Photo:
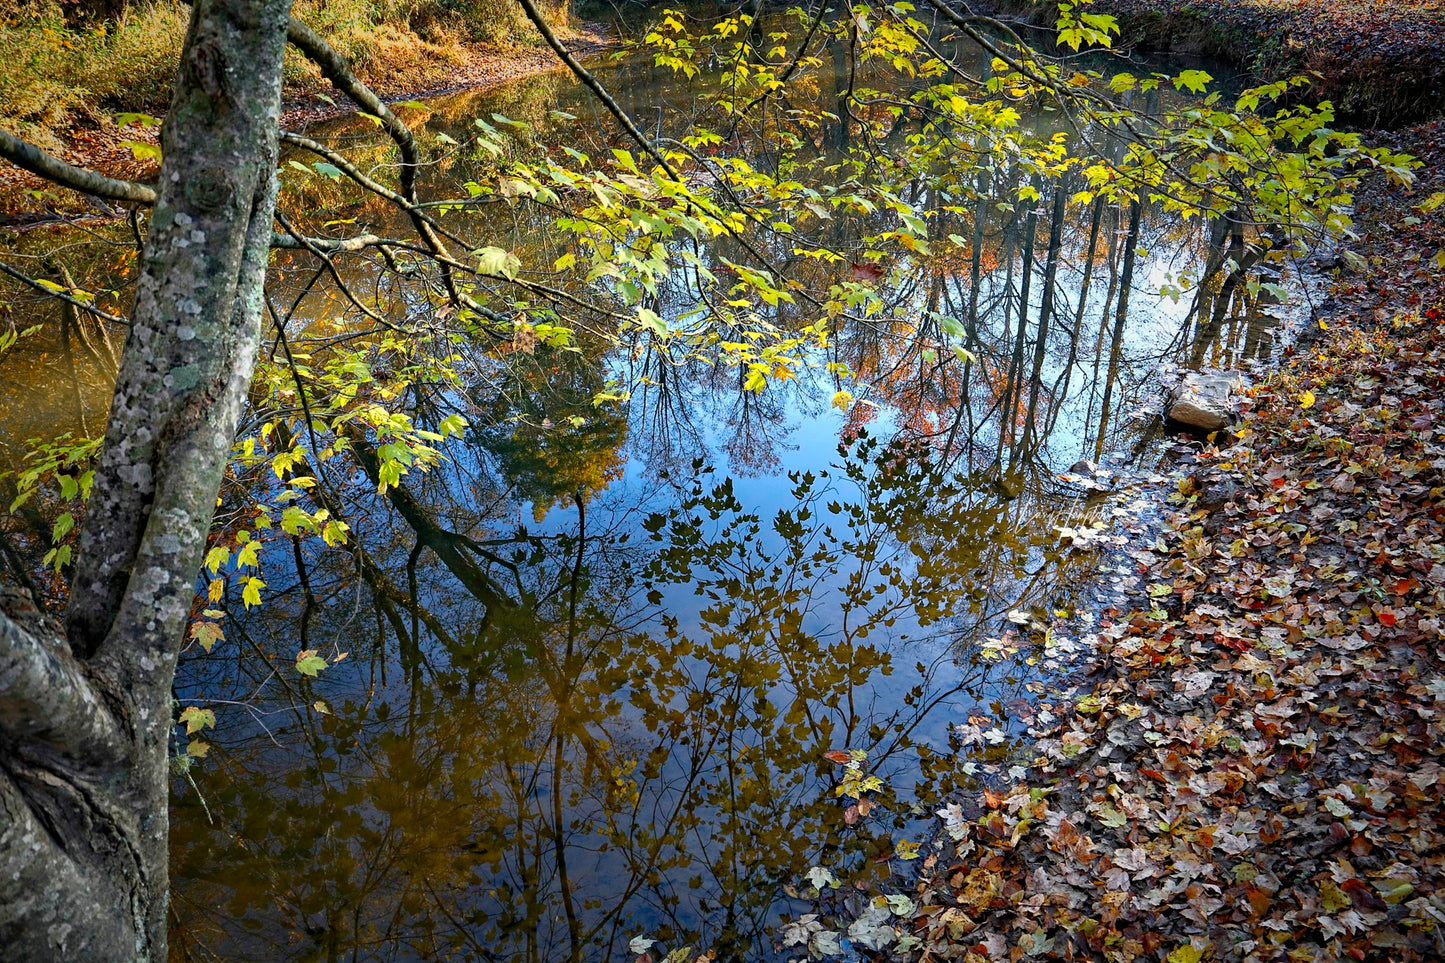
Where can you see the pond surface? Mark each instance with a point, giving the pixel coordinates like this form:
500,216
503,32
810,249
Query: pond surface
686,598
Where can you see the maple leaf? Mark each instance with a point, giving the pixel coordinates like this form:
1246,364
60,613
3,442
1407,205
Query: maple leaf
308,663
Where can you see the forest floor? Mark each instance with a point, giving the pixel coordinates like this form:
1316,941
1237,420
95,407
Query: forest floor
105,147
1256,773
1381,62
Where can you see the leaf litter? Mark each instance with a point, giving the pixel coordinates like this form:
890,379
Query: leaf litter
1256,773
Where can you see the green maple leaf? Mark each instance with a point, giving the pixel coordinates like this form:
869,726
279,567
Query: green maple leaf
195,719
309,663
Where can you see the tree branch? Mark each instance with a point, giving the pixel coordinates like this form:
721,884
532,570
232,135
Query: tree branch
345,245
47,697
75,302
592,84
336,70
53,169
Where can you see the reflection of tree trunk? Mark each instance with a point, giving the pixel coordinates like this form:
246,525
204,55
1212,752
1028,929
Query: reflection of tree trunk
1131,244
450,547
384,590
104,356
73,324
1257,339
69,321
1113,260
1233,263
843,60
1209,283
1013,388
1051,271
574,924
1095,216
980,218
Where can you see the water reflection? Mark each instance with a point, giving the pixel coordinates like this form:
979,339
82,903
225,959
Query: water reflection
632,742
593,661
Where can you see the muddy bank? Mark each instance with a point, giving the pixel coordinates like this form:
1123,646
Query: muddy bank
1381,64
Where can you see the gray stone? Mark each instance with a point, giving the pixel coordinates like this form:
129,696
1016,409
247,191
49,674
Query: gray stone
1204,401
1089,476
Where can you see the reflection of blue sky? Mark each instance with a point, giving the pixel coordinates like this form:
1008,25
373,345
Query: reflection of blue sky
1002,557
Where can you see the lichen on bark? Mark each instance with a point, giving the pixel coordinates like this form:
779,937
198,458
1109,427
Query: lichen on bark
85,713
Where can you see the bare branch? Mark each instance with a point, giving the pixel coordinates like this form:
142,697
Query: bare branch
592,84
336,70
68,299
345,245
36,161
340,162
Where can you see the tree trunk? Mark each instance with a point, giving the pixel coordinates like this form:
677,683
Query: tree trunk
85,714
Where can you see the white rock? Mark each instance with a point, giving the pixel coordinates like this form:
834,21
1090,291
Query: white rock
1204,401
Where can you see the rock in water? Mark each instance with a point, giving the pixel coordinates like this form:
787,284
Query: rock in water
1089,476
1204,401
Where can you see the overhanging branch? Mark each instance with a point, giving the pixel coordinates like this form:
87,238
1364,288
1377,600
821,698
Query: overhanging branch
53,169
68,299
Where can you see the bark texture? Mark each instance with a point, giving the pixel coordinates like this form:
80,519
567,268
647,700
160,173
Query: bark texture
85,711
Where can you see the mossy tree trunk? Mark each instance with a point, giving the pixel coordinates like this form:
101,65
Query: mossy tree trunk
85,709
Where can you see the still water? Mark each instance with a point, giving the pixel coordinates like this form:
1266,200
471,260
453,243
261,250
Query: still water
581,685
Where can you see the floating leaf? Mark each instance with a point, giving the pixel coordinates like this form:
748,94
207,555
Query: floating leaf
308,663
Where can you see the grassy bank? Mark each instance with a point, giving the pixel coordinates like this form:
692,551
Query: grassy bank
67,77
1380,62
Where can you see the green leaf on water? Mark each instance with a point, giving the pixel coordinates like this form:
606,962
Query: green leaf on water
308,663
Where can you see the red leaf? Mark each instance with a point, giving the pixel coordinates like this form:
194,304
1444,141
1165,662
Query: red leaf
867,272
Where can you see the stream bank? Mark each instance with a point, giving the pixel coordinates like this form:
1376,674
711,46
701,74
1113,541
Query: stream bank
104,147
1255,773
1381,64
711,636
